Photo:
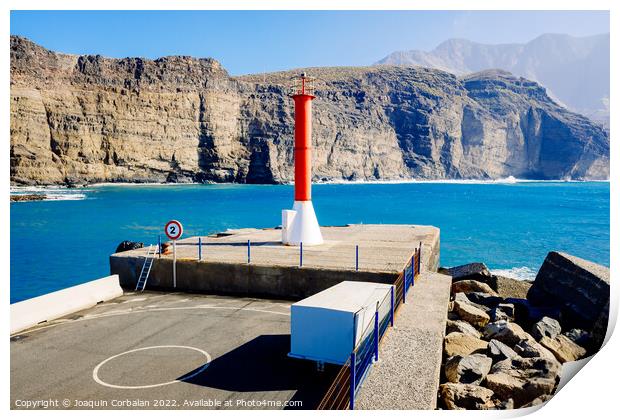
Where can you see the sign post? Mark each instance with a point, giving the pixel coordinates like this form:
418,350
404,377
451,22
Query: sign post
174,264
174,230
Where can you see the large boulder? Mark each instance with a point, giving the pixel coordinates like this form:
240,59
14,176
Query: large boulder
462,298
531,348
503,311
471,286
470,369
465,397
508,333
563,348
485,299
462,344
461,327
471,314
546,327
493,328
523,380
599,330
500,351
128,246
472,271
579,287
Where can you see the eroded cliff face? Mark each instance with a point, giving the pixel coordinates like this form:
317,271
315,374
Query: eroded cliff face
77,119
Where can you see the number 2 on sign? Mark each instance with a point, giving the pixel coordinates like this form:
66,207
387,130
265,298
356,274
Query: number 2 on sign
174,229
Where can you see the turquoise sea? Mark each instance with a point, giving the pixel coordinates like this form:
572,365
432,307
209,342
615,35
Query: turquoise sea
67,239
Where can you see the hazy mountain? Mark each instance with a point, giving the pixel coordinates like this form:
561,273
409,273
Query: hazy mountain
575,70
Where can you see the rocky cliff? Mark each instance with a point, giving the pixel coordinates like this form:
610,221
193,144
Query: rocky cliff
77,119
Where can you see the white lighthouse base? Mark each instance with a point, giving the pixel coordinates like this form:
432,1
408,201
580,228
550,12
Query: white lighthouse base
300,225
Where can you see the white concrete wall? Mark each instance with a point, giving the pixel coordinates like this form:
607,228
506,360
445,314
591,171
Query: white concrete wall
54,305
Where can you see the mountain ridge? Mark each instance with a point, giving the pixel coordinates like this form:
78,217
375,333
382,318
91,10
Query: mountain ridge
86,119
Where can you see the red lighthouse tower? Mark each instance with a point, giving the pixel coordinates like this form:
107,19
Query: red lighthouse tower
300,225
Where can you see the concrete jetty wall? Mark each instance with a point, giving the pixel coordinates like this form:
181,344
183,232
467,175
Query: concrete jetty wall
240,279
31,312
275,270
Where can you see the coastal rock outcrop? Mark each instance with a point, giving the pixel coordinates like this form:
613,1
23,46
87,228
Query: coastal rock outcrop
84,119
470,369
531,348
507,332
128,245
462,327
472,286
471,314
465,397
523,379
500,351
27,197
546,327
563,348
497,354
459,344
472,271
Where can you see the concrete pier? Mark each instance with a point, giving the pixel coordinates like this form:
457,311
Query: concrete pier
407,374
274,269
226,346
167,350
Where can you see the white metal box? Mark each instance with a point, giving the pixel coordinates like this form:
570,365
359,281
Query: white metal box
327,326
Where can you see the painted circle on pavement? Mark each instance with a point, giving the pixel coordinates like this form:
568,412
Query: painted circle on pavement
97,379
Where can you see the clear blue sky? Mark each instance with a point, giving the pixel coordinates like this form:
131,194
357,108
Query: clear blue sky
257,41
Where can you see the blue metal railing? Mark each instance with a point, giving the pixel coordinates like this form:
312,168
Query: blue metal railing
341,394
367,351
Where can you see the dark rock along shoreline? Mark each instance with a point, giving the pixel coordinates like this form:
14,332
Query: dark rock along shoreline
87,119
27,197
506,340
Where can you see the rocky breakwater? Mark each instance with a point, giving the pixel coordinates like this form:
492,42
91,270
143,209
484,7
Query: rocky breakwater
506,340
86,118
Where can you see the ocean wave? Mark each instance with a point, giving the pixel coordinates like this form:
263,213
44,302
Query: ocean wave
519,273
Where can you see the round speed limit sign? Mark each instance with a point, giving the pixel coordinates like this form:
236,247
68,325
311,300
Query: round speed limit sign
174,229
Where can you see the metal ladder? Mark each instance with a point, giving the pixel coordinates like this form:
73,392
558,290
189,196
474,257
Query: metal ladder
146,268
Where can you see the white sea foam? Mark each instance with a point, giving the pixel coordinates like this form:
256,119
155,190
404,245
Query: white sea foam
519,273
140,184
52,193
508,180
37,188
75,196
